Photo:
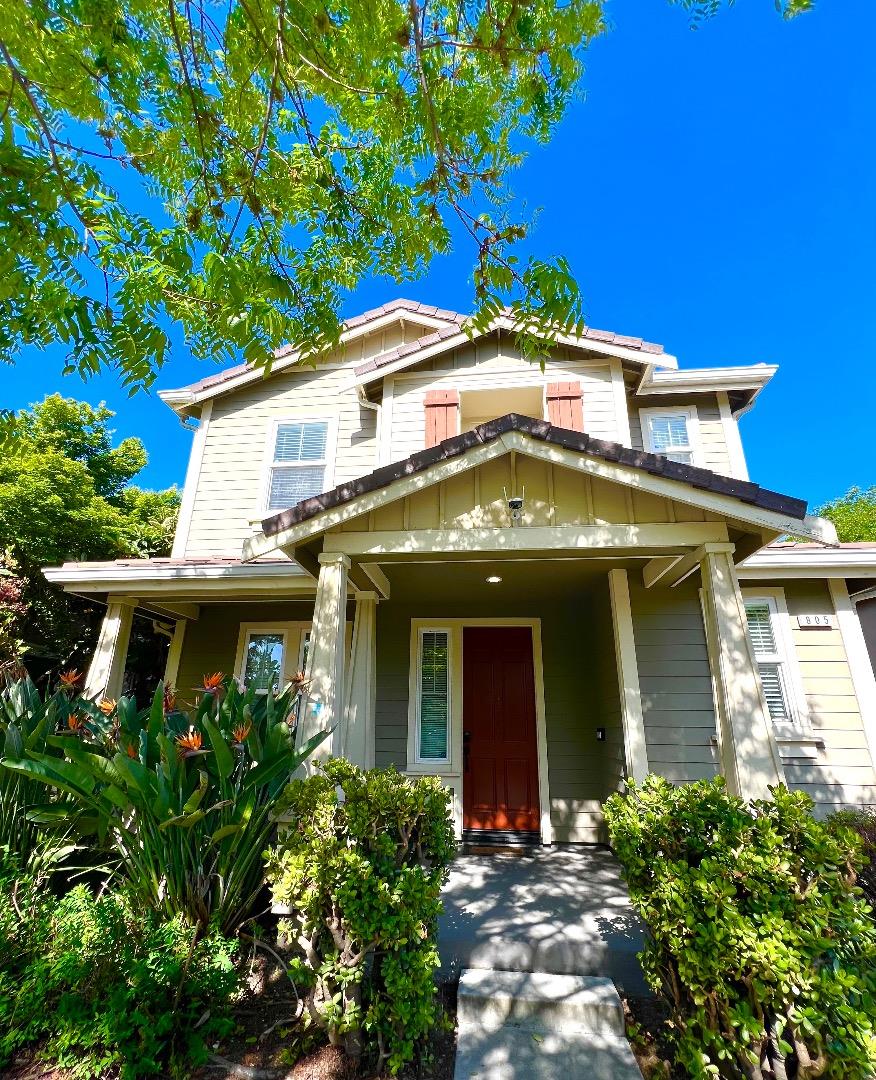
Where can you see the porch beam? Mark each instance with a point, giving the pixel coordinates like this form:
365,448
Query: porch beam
678,570
749,754
176,609
677,536
357,744
655,570
635,747
378,579
107,671
325,660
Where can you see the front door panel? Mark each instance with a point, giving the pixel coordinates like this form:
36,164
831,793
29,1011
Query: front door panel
500,778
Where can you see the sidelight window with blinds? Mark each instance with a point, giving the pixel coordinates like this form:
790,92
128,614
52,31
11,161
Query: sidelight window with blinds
433,693
300,453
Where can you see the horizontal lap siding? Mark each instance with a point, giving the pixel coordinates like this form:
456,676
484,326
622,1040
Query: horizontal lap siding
495,363
675,681
843,775
231,485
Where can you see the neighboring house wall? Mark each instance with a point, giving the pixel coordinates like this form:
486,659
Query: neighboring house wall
843,775
714,452
675,681
867,615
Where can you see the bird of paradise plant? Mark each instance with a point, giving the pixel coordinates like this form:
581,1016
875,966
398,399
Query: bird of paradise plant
185,802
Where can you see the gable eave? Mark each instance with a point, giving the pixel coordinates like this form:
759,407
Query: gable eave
747,505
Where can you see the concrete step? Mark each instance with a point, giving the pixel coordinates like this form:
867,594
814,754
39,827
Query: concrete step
490,999
518,1053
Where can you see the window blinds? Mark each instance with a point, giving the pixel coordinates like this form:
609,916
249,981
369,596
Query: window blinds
763,639
434,694
669,436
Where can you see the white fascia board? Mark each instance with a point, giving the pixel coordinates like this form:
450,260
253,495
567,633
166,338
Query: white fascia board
701,380
289,355
830,562
114,578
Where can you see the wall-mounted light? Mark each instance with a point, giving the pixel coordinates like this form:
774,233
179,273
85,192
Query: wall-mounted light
494,579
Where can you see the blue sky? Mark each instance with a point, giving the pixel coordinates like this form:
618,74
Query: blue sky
716,192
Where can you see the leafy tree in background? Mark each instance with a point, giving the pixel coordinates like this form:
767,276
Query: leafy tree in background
234,167
854,515
66,493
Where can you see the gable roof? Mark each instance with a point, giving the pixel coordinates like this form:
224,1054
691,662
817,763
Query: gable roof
443,327
785,508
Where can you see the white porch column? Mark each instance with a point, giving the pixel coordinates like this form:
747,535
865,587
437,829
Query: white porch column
749,754
325,661
107,671
635,747
174,653
358,741
863,676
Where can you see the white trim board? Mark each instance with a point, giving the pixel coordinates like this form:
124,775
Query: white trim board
190,486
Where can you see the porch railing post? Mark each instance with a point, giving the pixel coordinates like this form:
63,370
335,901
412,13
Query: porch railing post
325,661
358,742
748,749
106,674
174,653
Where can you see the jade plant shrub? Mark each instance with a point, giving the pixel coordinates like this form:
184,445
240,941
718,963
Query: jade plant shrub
758,938
863,822
360,865
97,986
184,803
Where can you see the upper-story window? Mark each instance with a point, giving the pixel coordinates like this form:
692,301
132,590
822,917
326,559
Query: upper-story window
673,433
299,466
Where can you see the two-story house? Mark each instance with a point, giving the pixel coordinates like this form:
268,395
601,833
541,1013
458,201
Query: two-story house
529,580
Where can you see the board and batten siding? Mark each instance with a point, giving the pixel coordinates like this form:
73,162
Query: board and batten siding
494,363
843,774
582,771
231,485
678,704
713,441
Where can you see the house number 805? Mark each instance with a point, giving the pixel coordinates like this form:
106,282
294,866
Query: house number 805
814,622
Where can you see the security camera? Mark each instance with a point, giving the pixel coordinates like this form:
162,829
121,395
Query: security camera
515,503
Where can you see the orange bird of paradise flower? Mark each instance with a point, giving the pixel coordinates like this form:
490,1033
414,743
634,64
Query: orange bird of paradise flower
190,743
131,751
76,723
107,706
70,680
213,682
240,733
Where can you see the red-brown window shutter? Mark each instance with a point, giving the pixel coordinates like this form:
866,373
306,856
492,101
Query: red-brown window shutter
442,415
564,405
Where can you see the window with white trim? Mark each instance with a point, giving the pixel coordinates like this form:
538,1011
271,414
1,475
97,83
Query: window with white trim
761,616
671,434
433,696
299,462
264,659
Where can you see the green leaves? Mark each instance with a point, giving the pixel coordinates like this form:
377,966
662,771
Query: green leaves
361,864
758,940
189,827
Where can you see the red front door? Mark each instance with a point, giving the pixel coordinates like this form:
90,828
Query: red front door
500,766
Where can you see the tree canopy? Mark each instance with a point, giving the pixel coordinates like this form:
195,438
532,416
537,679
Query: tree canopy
66,493
854,515
231,169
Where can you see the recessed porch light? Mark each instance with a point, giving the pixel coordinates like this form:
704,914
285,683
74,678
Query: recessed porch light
493,579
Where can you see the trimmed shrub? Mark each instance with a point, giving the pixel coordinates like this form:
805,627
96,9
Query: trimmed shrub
100,985
759,939
360,866
864,823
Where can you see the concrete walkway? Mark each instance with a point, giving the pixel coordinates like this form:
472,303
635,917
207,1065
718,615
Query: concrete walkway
561,911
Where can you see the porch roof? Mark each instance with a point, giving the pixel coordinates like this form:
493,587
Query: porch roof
653,464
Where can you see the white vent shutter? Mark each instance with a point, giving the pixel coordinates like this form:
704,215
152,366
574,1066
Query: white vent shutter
434,694
773,690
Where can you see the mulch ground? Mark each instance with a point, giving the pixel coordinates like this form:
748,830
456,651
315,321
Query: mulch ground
646,1028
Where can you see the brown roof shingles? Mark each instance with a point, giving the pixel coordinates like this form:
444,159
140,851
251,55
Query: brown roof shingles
578,441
